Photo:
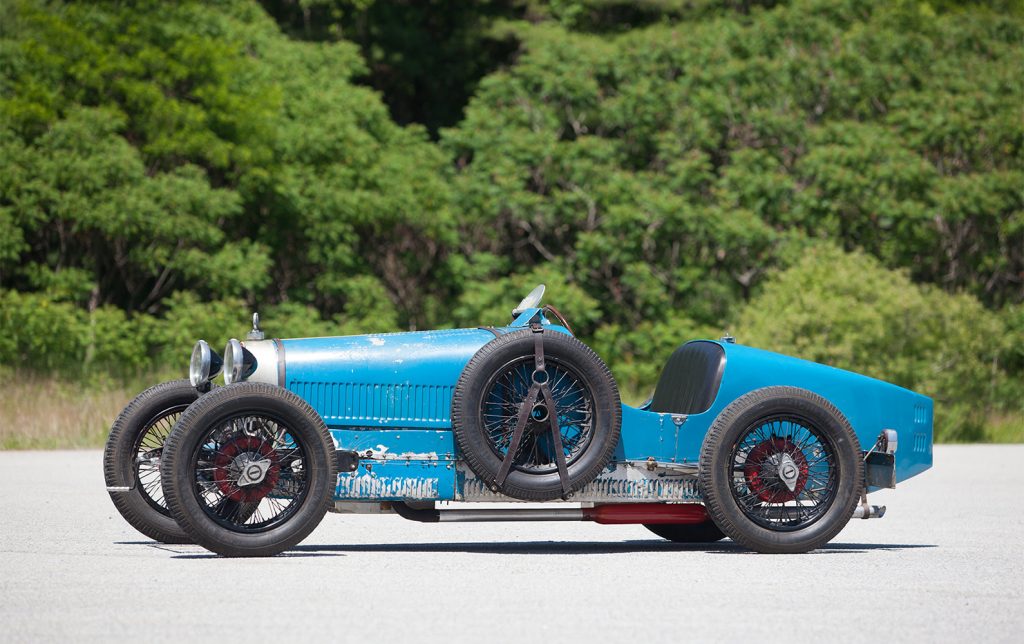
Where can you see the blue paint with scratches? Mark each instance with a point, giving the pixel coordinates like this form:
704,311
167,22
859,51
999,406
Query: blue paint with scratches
391,394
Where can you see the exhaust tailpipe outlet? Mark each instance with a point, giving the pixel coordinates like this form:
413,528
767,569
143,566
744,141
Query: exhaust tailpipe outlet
865,511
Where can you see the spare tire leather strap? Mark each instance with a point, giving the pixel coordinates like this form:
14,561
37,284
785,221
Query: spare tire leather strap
539,389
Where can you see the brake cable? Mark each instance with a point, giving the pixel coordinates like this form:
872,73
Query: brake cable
558,316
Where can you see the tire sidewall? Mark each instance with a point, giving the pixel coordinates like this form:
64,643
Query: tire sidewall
716,468
248,398
472,440
120,452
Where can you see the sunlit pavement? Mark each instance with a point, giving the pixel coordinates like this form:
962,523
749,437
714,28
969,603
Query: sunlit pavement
946,563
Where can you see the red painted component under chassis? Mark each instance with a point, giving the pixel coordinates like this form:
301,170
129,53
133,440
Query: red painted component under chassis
670,513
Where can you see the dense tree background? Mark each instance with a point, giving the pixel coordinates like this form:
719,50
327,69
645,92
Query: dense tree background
836,179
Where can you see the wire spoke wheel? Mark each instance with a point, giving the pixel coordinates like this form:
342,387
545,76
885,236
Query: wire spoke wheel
503,399
781,470
584,402
784,473
148,450
250,472
133,455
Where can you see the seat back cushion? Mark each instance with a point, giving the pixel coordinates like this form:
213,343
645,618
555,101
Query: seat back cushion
690,380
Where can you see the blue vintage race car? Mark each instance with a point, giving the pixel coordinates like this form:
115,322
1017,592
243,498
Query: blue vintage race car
774,452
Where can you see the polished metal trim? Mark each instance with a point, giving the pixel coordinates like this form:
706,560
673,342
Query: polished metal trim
891,440
687,469
540,514
280,362
865,511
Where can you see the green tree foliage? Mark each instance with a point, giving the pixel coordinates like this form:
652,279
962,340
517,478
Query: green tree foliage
696,148
425,56
154,149
667,167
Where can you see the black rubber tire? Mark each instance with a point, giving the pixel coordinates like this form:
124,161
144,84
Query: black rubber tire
706,532
119,467
716,469
302,422
474,444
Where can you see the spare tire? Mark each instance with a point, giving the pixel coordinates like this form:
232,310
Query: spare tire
492,390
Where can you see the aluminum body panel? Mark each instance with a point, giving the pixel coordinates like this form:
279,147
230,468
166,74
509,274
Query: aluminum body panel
398,481
266,354
870,405
385,380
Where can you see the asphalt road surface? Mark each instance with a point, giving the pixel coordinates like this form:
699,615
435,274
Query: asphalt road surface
945,564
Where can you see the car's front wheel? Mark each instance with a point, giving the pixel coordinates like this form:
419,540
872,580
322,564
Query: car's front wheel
781,470
131,459
249,470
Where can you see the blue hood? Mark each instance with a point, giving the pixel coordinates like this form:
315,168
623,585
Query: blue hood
382,380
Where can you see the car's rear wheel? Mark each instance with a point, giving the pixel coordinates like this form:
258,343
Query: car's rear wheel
249,470
781,470
131,459
706,532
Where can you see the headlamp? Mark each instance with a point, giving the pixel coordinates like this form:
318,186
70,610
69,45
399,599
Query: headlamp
204,365
239,362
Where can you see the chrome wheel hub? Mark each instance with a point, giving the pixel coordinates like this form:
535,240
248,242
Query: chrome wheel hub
788,471
251,471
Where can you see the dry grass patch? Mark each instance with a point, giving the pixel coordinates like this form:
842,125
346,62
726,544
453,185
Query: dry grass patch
38,412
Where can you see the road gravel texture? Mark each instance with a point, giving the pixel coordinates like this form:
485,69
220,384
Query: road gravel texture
945,564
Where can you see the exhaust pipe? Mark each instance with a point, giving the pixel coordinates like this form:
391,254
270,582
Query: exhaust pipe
865,511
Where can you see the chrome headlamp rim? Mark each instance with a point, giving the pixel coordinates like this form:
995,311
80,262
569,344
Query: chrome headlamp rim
239,362
234,359
204,365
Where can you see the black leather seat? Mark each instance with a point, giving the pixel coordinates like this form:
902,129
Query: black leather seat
690,380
